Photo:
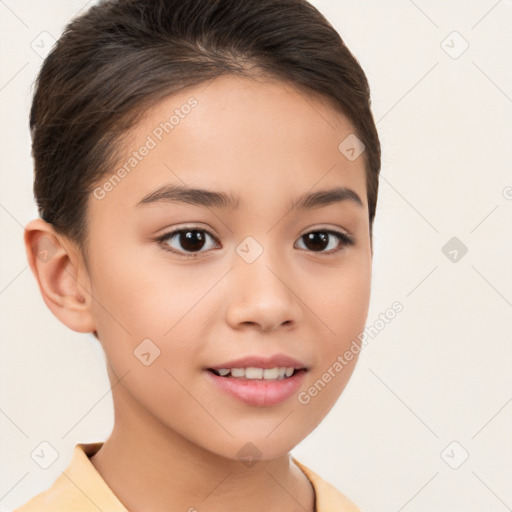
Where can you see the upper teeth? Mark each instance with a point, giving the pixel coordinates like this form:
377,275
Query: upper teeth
258,373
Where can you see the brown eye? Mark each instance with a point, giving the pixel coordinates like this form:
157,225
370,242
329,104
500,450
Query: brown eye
187,241
319,241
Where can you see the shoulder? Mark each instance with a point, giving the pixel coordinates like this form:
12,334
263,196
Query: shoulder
79,488
328,498
59,497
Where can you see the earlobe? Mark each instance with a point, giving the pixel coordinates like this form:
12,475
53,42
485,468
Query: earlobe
60,274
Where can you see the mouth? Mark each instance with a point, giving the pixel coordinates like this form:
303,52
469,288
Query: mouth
263,385
253,373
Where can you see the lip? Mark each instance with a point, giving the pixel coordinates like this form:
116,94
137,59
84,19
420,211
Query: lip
261,393
258,361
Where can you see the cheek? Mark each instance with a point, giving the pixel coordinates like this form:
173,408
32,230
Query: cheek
342,299
151,308
143,298
349,305
343,307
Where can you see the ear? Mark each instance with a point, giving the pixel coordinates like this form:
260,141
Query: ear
61,275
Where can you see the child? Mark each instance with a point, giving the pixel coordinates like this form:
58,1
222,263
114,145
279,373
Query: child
247,124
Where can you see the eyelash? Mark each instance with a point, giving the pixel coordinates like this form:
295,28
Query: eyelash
344,239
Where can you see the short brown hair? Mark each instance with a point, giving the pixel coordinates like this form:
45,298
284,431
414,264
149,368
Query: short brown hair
123,56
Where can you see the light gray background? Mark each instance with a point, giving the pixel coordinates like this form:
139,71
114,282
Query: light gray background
439,372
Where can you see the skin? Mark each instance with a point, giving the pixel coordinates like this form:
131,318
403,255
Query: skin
176,437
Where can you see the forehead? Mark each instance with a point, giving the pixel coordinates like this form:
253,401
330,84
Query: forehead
253,138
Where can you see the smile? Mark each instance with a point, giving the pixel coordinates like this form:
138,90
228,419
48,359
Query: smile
253,388
251,372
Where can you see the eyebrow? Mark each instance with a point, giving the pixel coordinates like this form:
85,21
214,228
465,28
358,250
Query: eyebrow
209,198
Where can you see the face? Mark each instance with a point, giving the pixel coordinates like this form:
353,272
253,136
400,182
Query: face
185,284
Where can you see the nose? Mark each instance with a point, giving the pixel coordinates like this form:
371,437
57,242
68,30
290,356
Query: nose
262,295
